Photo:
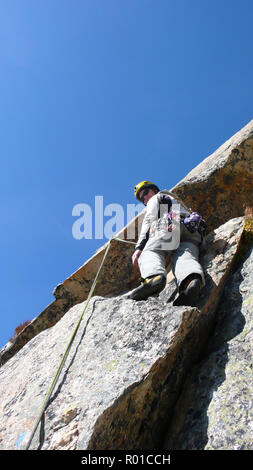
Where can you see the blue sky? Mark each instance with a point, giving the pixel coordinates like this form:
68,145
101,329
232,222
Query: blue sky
95,96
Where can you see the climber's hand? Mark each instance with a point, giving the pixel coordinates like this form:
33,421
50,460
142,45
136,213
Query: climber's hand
135,257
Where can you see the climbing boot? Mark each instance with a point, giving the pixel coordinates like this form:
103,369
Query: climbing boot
189,294
150,286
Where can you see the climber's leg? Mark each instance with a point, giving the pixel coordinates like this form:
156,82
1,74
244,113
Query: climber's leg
152,262
188,273
153,273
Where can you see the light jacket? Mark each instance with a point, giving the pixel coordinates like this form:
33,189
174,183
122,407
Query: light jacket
157,208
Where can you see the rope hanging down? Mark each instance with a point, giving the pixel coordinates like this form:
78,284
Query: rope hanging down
61,364
54,381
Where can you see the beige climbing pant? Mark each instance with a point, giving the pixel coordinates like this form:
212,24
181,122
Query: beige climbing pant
184,260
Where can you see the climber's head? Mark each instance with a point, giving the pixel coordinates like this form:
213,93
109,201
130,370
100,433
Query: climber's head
144,190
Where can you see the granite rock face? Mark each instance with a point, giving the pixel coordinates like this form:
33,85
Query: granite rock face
219,188
221,185
215,408
147,375
125,369
138,419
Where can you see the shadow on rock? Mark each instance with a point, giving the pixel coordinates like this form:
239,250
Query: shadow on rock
190,425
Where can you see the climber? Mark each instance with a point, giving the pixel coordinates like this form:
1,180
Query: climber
155,243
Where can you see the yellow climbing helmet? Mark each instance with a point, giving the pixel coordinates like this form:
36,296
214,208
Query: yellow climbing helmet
144,184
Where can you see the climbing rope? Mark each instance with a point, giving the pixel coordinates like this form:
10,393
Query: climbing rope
64,357
178,199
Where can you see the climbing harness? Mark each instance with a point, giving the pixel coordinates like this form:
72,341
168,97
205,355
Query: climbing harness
194,222
61,364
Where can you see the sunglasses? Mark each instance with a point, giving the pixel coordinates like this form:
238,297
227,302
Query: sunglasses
145,192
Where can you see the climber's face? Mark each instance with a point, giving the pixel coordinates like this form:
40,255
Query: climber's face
145,195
